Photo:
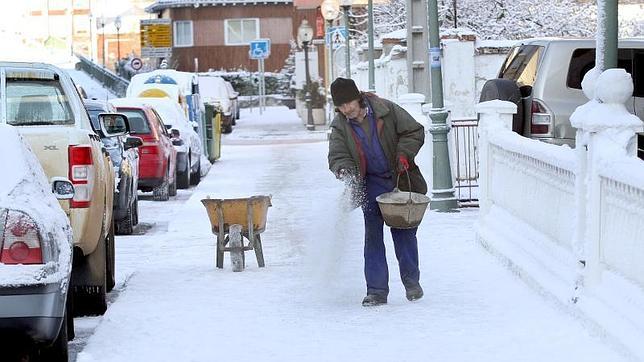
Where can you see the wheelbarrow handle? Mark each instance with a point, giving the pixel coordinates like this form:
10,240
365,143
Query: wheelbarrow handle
408,183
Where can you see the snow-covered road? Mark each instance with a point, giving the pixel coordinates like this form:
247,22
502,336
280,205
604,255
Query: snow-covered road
305,305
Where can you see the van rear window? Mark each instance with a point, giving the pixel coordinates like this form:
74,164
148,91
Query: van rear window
521,64
34,102
583,60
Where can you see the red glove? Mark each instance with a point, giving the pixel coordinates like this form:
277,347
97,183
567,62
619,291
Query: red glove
403,163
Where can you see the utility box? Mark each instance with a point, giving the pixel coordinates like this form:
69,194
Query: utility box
213,132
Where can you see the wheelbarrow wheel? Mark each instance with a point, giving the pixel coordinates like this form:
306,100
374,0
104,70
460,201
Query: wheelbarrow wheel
236,243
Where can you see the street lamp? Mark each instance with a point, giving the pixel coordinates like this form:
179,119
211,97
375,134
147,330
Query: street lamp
305,35
346,5
117,24
101,23
330,11
442,188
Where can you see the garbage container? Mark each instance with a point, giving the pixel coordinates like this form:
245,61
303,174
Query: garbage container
213,132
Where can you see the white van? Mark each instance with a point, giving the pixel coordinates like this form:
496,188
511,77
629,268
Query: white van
543,77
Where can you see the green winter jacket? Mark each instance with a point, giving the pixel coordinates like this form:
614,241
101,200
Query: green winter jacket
398,132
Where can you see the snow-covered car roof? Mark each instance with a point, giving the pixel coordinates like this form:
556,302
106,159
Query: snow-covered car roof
25,188
169,77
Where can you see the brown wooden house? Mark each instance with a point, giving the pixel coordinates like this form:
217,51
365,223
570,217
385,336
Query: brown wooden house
217,33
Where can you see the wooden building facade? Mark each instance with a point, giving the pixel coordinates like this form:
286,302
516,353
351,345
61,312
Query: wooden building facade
217,33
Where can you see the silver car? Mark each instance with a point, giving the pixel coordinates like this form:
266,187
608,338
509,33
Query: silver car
543,77
35,256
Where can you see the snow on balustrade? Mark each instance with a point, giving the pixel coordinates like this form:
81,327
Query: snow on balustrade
622,211
584,239
535,184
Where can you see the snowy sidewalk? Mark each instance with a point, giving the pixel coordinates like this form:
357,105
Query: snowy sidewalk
305,305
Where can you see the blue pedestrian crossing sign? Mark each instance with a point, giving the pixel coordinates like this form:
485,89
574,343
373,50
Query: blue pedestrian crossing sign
260,49
336,36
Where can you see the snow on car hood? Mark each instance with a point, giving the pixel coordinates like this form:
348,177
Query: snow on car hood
24,187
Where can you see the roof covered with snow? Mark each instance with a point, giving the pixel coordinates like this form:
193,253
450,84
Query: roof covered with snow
164,4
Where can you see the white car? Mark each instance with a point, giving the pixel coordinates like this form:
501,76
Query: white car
174,117
234,95
214,91
36,259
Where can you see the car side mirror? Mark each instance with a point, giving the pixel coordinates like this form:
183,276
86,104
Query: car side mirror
62,188
114,124
132,142
177,142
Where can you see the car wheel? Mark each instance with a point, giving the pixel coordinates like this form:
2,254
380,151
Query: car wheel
91,299
183,177
505,90
173,187
195,178
125,226
58,351
161,192
110,264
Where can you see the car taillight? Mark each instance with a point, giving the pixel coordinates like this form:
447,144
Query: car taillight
20,241
540,118
81,174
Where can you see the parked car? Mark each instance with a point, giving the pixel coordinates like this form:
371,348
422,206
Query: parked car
36,255
183,87
125,157
188,146
543,77
214,91
158,156
233,95
41,102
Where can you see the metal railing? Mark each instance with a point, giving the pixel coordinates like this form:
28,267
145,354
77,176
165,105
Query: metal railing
467,171
109,80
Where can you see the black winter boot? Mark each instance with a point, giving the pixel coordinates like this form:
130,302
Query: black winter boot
374,299
414,293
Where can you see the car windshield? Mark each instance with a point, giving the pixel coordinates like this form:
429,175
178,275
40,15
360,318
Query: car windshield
34,102
213,87
137,120
521,64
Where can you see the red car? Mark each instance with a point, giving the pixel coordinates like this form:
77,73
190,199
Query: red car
158,157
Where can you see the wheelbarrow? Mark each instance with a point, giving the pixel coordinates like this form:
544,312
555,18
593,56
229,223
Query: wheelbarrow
232,220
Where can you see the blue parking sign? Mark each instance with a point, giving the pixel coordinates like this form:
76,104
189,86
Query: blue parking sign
260,49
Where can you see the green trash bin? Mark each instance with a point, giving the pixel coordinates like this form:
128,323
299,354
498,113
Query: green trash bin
213,132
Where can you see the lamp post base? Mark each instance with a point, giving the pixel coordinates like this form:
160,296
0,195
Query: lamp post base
310,127
442,198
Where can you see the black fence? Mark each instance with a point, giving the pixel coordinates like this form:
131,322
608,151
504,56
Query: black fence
109,80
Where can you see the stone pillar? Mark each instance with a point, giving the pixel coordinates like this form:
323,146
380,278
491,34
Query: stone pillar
417,48
605,131
495,116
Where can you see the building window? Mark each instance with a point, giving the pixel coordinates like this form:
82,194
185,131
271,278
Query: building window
241,31
183,34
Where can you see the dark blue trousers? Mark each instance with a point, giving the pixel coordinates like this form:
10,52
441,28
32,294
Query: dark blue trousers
405,243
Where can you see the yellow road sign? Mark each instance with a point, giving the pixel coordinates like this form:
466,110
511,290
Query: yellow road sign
156,33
